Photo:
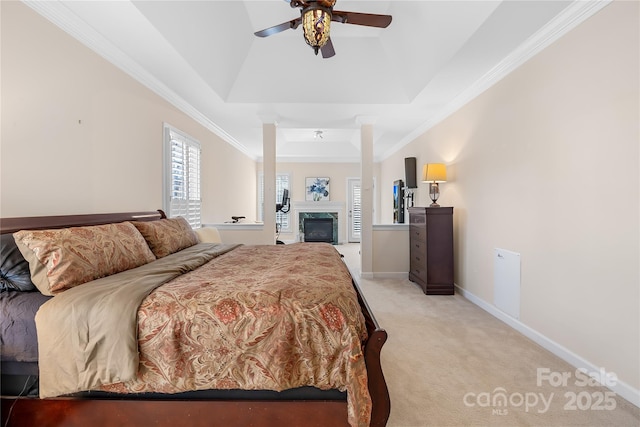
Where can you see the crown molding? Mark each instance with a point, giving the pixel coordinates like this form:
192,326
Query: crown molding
312,159
573,15
61,16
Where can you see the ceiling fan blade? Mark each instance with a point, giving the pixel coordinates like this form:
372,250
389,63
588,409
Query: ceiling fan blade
293,24
327,50
367,19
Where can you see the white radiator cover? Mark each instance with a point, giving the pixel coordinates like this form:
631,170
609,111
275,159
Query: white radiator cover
506,282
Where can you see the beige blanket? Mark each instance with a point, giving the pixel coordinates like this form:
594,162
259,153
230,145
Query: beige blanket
255,318
87,335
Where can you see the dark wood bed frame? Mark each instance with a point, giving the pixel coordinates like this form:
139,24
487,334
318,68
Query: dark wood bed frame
71,412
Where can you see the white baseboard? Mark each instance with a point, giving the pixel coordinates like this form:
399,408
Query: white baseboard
396,275
621,388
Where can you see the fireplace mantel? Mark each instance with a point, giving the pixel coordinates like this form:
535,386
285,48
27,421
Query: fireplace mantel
320,206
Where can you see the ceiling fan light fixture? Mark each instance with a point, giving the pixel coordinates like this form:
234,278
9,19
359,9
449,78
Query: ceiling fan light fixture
316,24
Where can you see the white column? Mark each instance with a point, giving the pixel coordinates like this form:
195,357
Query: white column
366,187
269,170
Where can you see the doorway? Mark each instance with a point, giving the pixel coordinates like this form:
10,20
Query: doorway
354,223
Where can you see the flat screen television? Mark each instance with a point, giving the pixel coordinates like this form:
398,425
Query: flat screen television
398,202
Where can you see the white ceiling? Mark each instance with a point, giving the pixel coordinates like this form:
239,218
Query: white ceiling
203,57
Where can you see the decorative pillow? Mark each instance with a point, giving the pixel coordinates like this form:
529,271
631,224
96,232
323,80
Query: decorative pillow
208,235
166,236
68,257
14,269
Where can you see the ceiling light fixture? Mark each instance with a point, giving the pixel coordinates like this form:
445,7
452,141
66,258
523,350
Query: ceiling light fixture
316,23
316,17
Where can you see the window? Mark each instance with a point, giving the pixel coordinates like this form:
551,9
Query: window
355,210
282,219
182,176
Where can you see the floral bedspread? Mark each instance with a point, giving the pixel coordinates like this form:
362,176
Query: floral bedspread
256,318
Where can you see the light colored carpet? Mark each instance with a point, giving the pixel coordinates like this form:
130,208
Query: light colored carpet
447,363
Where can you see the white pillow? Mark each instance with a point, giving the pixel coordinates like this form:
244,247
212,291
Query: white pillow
208,235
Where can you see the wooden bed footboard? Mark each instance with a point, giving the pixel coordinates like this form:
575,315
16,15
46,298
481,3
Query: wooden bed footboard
381,403
68,411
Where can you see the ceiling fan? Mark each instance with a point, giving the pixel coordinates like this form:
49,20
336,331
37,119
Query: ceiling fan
316,17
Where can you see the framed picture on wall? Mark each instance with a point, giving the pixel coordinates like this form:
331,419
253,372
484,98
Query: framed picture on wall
317,189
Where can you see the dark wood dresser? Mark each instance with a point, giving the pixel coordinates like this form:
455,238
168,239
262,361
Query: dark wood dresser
431,240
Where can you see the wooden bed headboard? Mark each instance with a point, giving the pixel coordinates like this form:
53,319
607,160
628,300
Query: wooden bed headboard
11,225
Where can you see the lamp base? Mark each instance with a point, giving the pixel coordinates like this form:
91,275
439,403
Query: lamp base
434,193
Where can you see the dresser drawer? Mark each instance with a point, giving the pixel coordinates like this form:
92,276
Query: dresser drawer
418,253
418,263
417,233
418,218
417,245
418,271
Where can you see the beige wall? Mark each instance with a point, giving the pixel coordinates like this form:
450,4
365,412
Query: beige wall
391,256
337,172
545,163
80,136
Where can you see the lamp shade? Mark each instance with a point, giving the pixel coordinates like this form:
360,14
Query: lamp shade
434,172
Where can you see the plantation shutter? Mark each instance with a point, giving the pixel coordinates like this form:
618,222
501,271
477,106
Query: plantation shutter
282,218
184,178
356,212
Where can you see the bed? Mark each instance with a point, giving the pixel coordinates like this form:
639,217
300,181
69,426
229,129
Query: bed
166,330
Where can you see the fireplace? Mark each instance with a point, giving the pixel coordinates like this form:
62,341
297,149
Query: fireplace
322,209
318,230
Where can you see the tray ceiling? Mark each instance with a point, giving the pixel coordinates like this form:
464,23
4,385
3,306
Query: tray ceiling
203,57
